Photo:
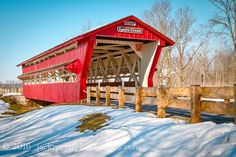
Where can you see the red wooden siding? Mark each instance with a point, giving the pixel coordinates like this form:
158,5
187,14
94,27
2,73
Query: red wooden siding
146,35
69,56
58,92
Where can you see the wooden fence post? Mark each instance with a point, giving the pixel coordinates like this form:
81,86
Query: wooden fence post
108,96
234,103
163,97
195,103
88,95
138,99
121,97
98,95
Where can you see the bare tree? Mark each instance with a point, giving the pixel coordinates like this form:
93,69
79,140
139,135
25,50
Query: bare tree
224,22
221,71
86,26
159,17
189,43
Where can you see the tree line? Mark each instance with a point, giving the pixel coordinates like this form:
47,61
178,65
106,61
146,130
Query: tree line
203,54
11,84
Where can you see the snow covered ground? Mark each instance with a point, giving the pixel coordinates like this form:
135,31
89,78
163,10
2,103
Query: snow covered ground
3,107
51,132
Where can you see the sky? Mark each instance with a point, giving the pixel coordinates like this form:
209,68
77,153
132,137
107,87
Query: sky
29,27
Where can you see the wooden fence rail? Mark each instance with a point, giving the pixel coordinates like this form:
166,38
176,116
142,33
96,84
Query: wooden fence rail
10,90
196,99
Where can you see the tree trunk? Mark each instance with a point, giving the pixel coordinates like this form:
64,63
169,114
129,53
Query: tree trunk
181,77
168,66
234,61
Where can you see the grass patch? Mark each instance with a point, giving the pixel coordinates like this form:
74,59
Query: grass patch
18,108
93,122
9,99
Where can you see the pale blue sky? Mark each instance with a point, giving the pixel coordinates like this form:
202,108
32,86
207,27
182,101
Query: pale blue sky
28,27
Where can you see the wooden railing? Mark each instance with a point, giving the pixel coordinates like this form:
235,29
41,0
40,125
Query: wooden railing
196,99
10,90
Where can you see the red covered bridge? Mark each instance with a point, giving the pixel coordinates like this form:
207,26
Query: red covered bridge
125,51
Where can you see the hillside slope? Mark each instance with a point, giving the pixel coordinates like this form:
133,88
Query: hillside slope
51,131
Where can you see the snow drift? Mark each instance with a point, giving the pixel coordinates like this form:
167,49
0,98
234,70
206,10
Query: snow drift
11,94
3,107
51,132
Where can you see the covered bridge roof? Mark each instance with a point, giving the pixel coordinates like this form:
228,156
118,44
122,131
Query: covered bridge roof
167,41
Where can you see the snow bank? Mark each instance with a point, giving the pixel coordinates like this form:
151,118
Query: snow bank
51,132
3,107
11,94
